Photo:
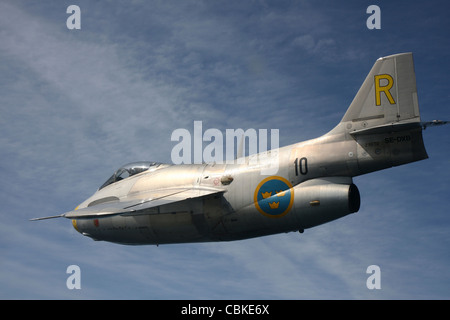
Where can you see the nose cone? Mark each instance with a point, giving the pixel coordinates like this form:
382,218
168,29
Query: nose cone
74,223
87,227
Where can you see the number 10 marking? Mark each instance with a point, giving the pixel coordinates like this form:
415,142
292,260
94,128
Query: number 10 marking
301,165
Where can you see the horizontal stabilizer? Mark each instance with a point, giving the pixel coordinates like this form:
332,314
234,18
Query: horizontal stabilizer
433,123
388,128
398,126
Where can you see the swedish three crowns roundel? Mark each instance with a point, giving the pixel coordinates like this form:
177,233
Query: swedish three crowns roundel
274,196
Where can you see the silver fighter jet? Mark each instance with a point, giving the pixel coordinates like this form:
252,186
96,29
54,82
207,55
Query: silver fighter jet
156,203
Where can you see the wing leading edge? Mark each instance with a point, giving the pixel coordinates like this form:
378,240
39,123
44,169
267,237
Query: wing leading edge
139,205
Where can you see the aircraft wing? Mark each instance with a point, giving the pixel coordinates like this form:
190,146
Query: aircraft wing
137,204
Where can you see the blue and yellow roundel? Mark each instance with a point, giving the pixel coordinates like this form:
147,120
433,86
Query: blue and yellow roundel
274,197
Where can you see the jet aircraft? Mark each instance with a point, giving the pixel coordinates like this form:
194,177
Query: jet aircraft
157,203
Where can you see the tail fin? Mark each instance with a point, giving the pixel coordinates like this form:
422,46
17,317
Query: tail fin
387,96
384,117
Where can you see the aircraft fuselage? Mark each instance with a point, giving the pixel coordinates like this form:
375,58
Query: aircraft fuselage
316,176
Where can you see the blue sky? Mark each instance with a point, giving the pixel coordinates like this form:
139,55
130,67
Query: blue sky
77,104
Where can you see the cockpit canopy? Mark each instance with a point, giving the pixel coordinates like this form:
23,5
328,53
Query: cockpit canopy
129,170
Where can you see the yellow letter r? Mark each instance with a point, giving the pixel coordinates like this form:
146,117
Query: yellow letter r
379,88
